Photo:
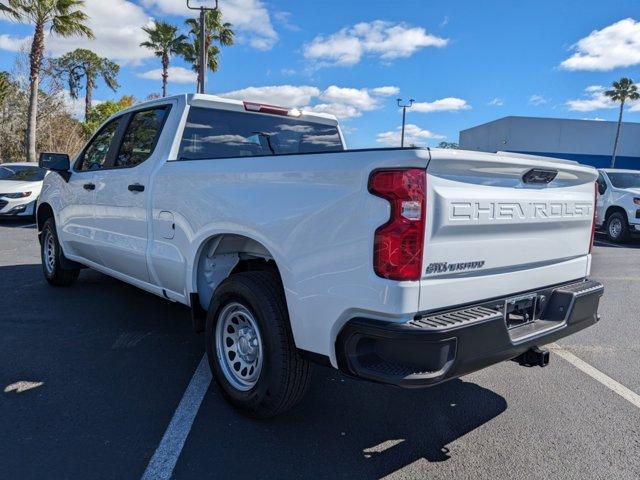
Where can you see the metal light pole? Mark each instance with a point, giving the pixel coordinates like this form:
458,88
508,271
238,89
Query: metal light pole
202,70
404,117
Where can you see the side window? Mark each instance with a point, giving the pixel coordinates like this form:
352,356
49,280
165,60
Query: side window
140,137
602,184
95,154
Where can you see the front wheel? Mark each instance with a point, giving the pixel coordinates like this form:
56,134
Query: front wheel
250,346
50,252
617,228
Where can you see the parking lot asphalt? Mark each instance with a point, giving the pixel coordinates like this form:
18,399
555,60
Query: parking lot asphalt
91,375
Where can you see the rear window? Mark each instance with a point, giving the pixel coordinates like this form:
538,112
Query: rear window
624,180
211,133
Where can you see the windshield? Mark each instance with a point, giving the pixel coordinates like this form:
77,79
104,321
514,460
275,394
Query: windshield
21,173
624,179
213,133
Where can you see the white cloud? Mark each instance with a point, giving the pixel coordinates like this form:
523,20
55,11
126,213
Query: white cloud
413,135
14,44
448,104
285,95
537,100
342,102
176,75
250,18
496,102
617,45
359,98
341,110
385,40
386,91
75,106
284,20
116,24
594,99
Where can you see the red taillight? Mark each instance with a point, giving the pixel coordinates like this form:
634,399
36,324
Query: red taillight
398,244
593,222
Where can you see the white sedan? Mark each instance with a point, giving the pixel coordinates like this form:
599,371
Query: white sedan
20,186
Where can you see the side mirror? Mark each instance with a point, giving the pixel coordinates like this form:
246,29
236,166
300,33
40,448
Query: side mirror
56,162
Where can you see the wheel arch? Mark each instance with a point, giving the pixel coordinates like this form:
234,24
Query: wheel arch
613,209
223,254
43,213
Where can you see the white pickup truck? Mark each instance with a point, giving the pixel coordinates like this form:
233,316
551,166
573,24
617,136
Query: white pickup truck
403,266
618,207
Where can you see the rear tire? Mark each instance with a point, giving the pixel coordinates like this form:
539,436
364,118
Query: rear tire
250,346
617,228
51,253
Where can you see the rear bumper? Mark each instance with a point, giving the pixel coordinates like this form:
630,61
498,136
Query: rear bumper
440,346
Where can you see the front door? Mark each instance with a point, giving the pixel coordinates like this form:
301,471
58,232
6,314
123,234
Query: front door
76,215
122,193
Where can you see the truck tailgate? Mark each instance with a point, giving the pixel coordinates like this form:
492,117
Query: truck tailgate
490,234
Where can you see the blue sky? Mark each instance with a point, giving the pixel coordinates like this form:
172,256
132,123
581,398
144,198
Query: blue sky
464,62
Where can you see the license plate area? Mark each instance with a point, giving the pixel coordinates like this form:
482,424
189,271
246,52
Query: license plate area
520,310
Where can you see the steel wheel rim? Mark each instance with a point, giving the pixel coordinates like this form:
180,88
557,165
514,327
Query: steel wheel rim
615,228
239,346
49,250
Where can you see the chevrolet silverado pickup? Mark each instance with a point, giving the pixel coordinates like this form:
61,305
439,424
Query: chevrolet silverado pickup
618,207
406,266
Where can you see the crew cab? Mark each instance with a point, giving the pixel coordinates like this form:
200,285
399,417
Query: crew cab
406,266
618,208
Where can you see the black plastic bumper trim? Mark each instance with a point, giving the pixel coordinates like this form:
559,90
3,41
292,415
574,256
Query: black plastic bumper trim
428,350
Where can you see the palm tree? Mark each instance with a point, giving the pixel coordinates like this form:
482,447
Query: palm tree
64,18
84,64
215,32
623,90
165,42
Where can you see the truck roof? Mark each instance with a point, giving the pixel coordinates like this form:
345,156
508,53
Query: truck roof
214,101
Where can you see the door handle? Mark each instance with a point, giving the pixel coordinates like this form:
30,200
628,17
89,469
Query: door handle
89,186
136,187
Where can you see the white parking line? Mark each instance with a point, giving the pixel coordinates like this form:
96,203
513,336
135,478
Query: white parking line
164,459
596,374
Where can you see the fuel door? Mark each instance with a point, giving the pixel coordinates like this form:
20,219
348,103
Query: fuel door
166,225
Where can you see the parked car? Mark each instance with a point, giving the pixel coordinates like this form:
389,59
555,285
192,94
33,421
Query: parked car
402,266
20,185
618,206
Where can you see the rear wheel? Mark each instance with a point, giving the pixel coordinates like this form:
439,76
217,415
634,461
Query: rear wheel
51,254
617,228
250,346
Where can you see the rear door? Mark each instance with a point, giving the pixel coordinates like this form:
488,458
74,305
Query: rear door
493,229
76,217
122,192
